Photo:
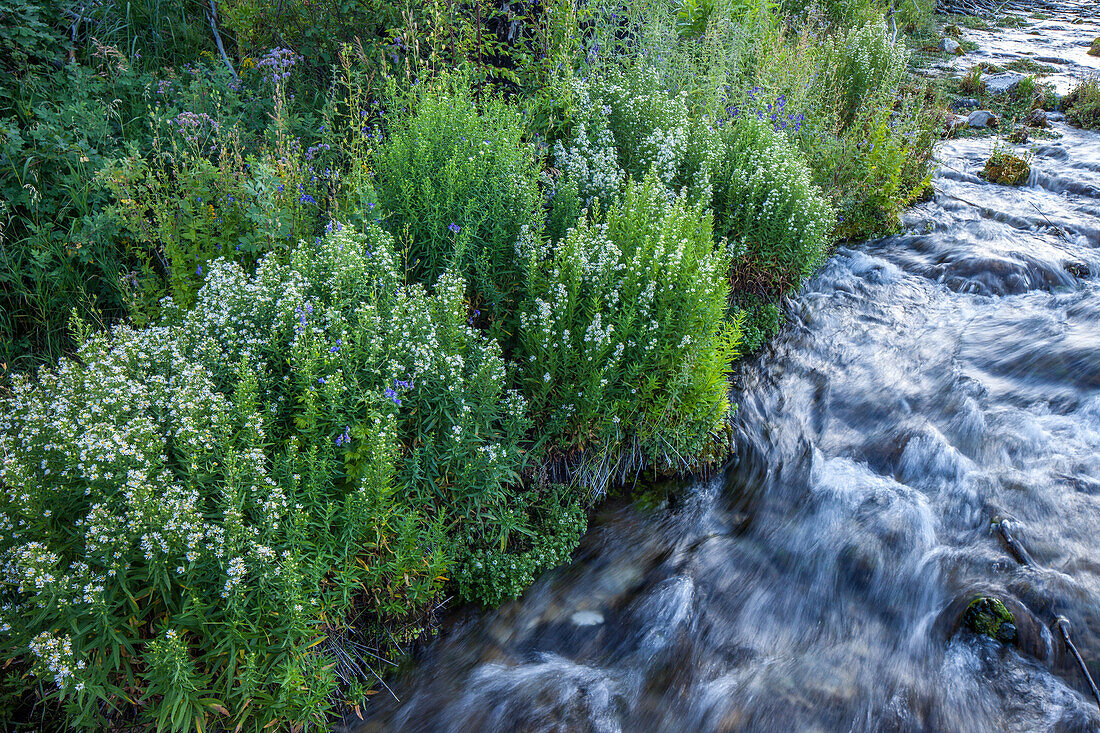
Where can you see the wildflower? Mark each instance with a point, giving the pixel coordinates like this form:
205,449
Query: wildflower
455,228
393,396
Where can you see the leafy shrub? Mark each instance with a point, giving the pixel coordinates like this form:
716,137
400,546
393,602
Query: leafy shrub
188,509
861,67
90,193
458,185
624,345
776,222
27,35
870,140
55,255
199,198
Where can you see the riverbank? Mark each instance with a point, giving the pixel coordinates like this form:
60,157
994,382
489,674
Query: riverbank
369,327
933,388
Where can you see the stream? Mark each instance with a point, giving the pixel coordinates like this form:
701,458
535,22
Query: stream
930,390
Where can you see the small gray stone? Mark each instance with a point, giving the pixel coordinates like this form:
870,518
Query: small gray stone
982,118
964,103
1002,83
951,46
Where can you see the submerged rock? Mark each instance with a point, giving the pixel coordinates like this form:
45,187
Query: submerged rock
982,118
988,615
1007,170
1078,269
587,618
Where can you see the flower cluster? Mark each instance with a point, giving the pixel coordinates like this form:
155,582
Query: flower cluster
277,63
194,126
623,337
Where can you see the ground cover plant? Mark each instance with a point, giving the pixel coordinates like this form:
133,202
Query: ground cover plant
343,313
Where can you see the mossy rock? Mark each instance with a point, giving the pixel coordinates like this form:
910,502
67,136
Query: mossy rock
1095,49
1008,170
987,615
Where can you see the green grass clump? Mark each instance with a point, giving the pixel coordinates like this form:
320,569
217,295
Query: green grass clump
1008,170
1082,104
1030,66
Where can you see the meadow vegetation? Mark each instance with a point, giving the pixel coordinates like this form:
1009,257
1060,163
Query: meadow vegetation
362,310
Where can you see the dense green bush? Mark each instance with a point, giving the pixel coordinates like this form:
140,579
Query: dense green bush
624,343
55,133
868,137
458,184
188,509
776,222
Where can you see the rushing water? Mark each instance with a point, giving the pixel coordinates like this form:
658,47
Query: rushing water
927,383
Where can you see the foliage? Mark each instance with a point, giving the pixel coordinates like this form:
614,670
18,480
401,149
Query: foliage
222,486
54,254
776,223
27,36
1006,169
1082,104
624,345
871,146
458,185
564,222
972,81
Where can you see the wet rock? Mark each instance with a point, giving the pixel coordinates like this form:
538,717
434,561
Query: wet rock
1032,635
1019,135
1094,50
982,118
988,615
950,45
1056,117
1004,83
964,103
1007,170
952,124
1078,269
1037,118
